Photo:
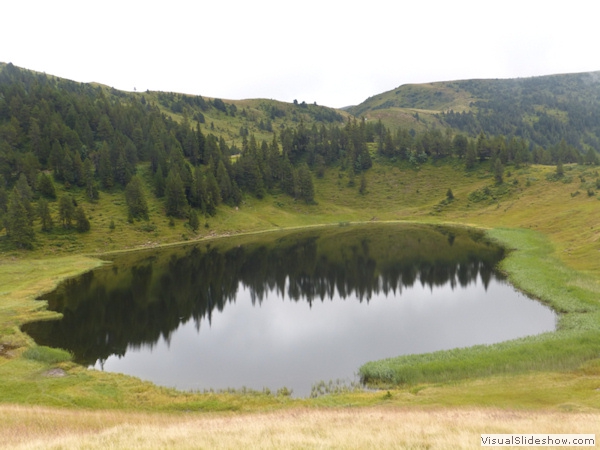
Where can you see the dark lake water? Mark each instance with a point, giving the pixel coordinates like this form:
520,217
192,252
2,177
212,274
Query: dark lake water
288,309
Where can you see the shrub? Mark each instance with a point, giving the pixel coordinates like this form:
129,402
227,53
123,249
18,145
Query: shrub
47,354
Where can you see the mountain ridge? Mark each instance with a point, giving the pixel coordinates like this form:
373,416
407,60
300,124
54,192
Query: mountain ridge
543,109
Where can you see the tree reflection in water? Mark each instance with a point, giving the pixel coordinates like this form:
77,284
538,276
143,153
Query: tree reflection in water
146,295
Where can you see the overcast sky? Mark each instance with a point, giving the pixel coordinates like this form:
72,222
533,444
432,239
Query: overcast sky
335,53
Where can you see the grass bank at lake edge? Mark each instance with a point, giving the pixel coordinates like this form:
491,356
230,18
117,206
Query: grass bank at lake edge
531,267
27,380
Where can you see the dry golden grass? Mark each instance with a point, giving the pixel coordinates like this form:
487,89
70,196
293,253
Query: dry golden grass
364,428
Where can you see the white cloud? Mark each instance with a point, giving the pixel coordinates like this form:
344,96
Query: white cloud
332,52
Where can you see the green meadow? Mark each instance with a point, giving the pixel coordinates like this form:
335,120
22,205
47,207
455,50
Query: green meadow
551,233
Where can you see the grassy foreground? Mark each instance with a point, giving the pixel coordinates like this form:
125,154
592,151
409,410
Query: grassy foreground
364,428
547,384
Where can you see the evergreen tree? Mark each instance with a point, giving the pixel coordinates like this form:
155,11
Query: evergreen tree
198,191
288,181
194,222
159,183
45,186
484,149
57,155
36,143
123,171
224,182
388,147
176,203
67,168
105,170
66,210
471,156
591,157
17,222
91,189
236,194
305,188
3,198
26,195
81,220
363,184
274,159
78,170
29,165
105,129
45,216
560,170
249,175
213,194
459,145
136,199
498,171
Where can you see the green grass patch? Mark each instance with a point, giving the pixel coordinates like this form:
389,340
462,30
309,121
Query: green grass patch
47,355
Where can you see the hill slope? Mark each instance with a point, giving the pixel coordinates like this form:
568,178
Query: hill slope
543,110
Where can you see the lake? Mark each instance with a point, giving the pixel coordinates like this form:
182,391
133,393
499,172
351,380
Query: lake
288,309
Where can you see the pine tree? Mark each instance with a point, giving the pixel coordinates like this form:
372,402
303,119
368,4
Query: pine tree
471,156
224,183
176,202
81,220
198,191
213,194
66,210
459,145
91,189
17,222
67,169
194,222
135,198
305,188
26,195
45,216
78,169
363,184
105,170
45,186
560,170
288,182
57,155
3,199
123,172
591,157
498,171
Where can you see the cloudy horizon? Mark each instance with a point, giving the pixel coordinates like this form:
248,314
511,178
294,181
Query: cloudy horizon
329,52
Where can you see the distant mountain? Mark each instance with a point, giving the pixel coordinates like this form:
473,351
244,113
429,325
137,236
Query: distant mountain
544,110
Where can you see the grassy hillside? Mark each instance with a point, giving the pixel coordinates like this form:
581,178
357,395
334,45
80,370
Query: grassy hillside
544,109
234,118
